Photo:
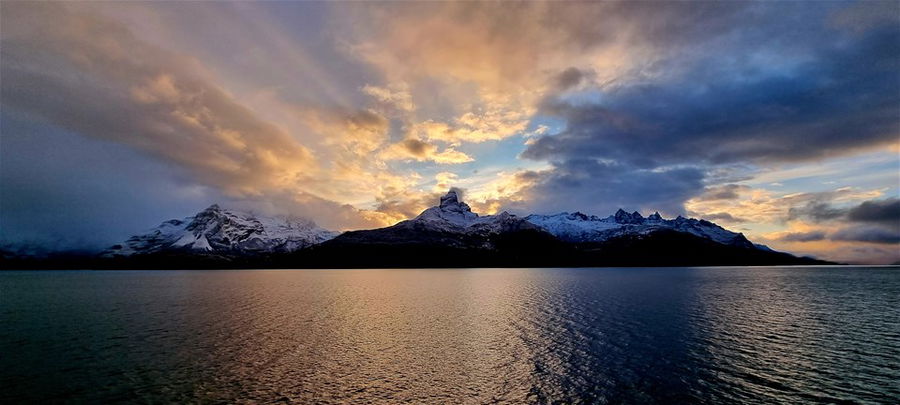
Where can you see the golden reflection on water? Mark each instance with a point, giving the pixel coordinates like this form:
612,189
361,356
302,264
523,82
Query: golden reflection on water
452,336
431,335
348,335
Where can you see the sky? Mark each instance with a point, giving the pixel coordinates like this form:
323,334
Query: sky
780,120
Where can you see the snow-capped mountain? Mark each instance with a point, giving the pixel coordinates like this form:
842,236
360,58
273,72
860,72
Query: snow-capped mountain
451,235
446,235
453,215
217,230
451,222
578,227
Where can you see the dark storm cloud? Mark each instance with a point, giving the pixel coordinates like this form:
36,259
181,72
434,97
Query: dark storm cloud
53,200
415,146
845,98
569,78
723,216
781,84
723,192
601,188
816,211
803,236
876,211
822,209
867,233
878,221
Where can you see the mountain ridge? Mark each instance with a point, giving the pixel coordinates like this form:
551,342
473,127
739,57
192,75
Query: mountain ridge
446,235
450,235
225,231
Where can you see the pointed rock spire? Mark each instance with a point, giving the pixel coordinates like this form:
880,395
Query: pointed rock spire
451,198
450,203
624,217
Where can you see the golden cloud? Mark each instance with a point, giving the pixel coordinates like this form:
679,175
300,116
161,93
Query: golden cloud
418,150
397,97
492,63
444,181
358,131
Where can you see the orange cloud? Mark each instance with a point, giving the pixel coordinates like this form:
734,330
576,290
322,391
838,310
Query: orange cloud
415,149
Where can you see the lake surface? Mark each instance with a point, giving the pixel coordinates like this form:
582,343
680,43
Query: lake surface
664,335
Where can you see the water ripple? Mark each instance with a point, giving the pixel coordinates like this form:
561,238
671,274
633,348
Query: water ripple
463,336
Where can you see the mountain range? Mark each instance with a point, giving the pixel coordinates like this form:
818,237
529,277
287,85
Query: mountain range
446,235
216,230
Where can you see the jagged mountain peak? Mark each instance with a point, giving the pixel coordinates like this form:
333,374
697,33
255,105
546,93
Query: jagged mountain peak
219,230
451,198
580,228
450,210
450,202
623,217
450,223
452,214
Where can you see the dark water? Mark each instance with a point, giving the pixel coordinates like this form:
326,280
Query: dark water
678,335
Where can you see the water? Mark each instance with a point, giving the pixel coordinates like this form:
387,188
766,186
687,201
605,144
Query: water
676,335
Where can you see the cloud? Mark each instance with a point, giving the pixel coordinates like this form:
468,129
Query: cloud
91,75
480,68
444,181
62,191
600,188
762,206
418,150
821,209
505,190
398,98
811,113
864,254
569,78
326,213
803,236
401,206
722,216
816,211
867,233
722,192
510,47
358,131
863,16
887,210
492,125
